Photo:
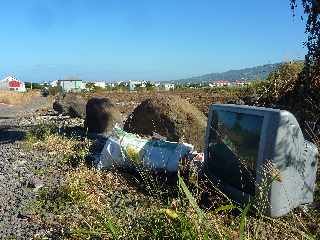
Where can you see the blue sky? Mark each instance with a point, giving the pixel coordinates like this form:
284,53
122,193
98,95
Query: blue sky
43,40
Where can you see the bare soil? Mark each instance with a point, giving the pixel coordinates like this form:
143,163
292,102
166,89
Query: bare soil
128,101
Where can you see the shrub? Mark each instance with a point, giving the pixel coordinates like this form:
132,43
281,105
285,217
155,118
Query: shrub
279,82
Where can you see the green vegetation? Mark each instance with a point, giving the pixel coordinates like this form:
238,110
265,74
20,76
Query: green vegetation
278,82
53,91
46,137
34,85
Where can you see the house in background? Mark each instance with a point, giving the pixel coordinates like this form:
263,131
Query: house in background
220,83
100,84
69,85
54,83
134,84
167,86
240,83
12,84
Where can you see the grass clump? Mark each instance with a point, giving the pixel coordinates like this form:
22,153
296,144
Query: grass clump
103,205
46,137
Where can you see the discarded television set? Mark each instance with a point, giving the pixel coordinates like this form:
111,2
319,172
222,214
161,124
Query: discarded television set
253,151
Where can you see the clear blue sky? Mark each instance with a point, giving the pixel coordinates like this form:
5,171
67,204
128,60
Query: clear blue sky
43,40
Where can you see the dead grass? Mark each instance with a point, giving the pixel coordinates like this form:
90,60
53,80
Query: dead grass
15,98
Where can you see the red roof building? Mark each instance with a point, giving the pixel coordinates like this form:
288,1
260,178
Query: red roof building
12,84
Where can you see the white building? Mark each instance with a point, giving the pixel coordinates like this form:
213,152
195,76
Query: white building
100,84
133,84
70,85
110,84
220,83
241,83
54,83
168,86
157,85
12,84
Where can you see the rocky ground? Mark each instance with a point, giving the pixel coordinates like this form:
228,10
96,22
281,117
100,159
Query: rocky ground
19,170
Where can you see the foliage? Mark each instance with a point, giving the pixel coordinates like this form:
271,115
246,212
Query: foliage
309,84
120,87
278,83
41,132
53,91
90,86
284,79
34,85
46,137
150,86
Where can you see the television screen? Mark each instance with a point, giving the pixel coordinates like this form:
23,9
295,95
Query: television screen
233,148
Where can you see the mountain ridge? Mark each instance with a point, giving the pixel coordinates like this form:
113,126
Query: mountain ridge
247,74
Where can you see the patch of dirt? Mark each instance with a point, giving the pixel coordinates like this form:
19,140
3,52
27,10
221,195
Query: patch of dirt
126,102
170,116
71,104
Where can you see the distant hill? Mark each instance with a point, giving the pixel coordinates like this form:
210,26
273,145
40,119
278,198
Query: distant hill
248,74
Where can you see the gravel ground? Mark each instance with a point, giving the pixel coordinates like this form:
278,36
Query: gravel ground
19,181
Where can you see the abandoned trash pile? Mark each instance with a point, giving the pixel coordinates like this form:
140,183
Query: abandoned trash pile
170,116
129,150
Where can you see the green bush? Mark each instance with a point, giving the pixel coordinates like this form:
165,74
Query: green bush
279,82
41,132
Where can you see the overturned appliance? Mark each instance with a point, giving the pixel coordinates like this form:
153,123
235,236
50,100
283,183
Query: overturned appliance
128,150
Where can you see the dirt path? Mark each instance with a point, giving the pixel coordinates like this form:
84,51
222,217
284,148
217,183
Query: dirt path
18,181
12,111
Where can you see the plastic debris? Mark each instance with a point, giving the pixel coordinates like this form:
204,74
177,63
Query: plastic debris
127,150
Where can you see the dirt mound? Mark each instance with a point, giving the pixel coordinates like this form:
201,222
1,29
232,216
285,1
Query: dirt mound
70,104
101,115
170,116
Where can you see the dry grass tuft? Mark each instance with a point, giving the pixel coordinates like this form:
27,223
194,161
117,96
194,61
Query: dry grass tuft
56,144
15,98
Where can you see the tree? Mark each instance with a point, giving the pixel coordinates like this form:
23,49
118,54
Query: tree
34,85
284,78
150,86
311,8
90,86
304,98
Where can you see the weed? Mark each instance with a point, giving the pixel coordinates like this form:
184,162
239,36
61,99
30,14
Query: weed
40,132
46,137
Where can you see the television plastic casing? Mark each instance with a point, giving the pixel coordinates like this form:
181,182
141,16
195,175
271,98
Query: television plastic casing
283,144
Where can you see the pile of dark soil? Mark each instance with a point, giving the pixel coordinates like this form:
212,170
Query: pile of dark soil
101,115
71,104
169,116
